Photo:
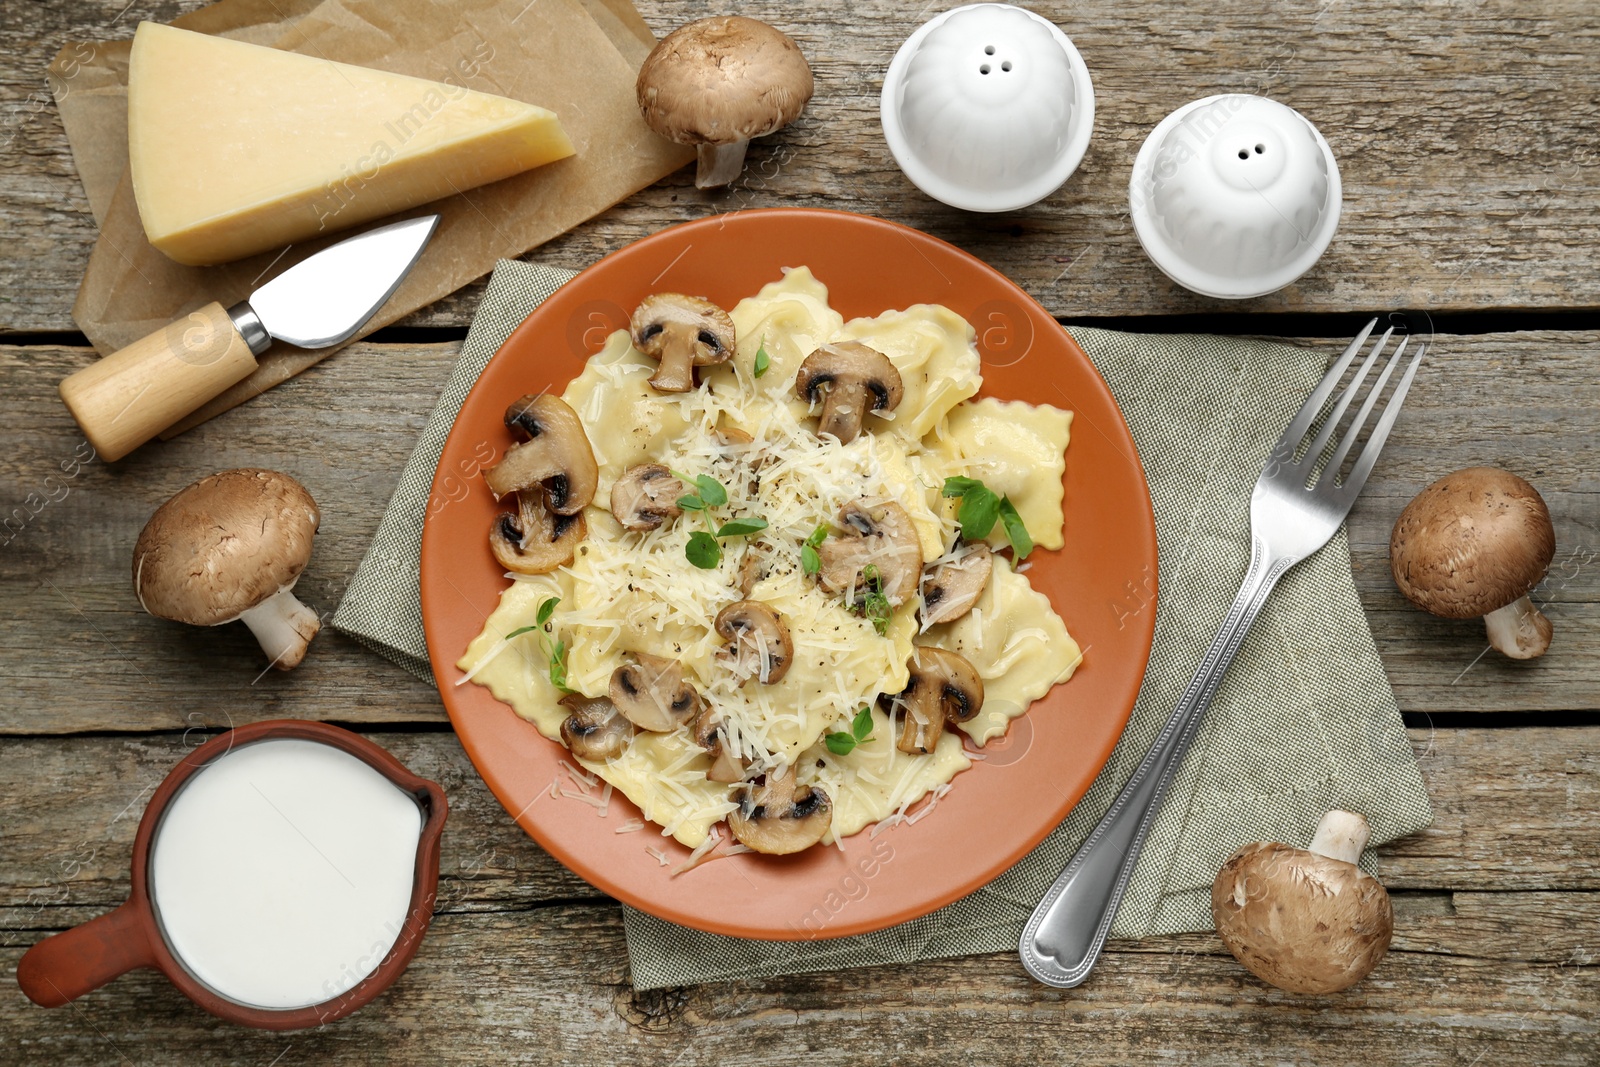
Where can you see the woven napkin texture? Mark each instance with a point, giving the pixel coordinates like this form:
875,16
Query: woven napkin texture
1304,721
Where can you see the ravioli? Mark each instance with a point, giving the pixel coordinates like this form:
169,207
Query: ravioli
634,592
1017,449
1019,645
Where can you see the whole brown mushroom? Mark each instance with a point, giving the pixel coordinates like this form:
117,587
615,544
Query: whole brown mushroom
230,547
1306,920
1475,543
718,82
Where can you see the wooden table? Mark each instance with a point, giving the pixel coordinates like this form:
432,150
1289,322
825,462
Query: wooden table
1469,139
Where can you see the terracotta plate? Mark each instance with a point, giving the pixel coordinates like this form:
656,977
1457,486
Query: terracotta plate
1102,583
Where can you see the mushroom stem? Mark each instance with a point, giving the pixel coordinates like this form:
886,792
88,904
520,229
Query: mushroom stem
284,626
1341,835
720,164
1519,629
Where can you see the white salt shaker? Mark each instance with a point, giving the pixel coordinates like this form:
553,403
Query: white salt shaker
1235,196
988,107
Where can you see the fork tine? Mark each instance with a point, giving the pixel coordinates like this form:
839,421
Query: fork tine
1302,421
1349,439
1380,433
1331,424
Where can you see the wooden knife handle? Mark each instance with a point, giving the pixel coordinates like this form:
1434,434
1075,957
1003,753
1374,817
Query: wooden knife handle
133,394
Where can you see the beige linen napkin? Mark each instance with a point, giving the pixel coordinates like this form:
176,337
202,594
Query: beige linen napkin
1304,721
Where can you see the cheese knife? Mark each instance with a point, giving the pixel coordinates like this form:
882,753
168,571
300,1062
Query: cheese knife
133,394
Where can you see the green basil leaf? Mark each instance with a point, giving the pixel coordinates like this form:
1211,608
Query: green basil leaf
819,535
979,509
810,562
703,550
1021,542
690,502
711,491
763,361
956,486
558,667
519,631
840,744
547,608
875,606
861,725
742,527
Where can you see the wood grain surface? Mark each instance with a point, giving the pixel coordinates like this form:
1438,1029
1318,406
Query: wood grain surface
1468,135
1523,401
526,964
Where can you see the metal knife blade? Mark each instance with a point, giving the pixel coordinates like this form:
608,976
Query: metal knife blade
325,299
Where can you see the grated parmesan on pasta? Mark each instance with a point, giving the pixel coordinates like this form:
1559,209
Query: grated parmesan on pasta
628,591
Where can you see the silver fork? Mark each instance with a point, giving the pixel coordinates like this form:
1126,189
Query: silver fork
1297,505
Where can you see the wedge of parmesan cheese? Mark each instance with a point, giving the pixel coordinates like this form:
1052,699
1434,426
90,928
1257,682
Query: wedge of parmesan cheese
236,149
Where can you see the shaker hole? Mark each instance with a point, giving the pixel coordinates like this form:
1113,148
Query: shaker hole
1260,149
1006,65
984,69
1244,153
988,49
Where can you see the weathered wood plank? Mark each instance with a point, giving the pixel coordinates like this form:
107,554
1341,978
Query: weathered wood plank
1466,141
548,987
346,428
1515,810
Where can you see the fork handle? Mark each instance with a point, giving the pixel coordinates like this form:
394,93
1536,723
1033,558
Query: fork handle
1064,935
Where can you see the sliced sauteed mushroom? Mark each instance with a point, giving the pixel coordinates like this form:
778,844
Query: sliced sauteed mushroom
944,688
950,589
755,566
595,730
708,735
646,496
851,379
758,641
553,453
732,439
652,694
681,333
534,540
882,537
780,816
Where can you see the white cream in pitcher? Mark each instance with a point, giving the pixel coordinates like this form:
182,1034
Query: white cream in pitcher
282,872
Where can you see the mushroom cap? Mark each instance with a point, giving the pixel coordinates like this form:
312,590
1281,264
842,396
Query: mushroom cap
552,453
854,380
707,732
759,645
595,730
223,545
951,589
722,80
778,816
681,332
942,687
533,539
652,694
1471,542
1303,922
646,496
883,537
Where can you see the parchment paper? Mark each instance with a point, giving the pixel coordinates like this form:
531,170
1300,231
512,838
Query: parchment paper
577,57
